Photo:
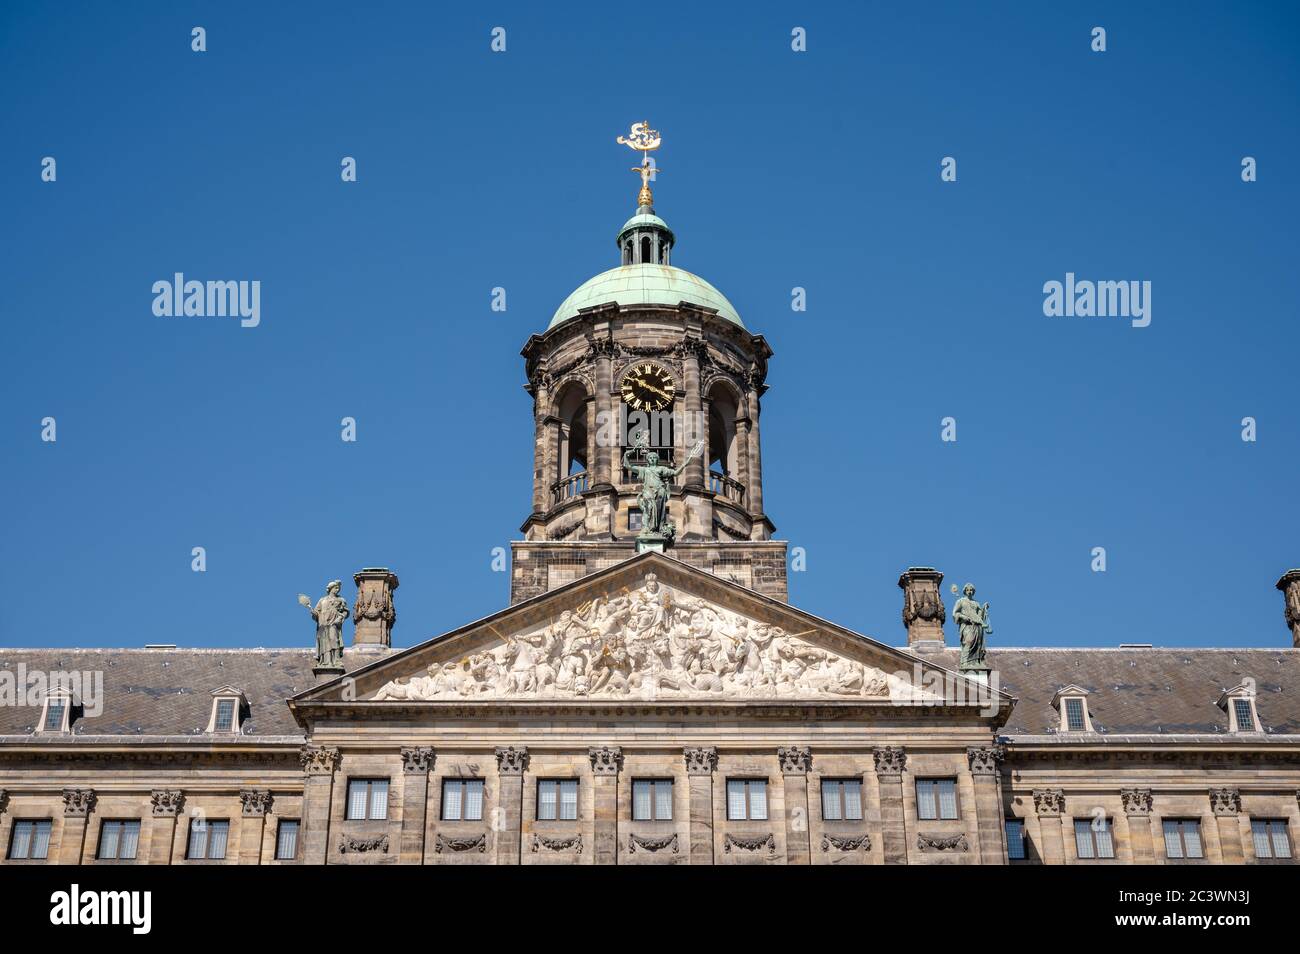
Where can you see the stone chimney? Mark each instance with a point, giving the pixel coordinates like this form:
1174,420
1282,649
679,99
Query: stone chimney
923,610
1290,587
373,614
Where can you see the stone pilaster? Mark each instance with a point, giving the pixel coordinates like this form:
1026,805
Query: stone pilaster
319,763
1289,584
923,611
796,760
891,761
605,763
754,486
78,804
701,763
165,807
254,804
602,471
1137,810
512,762
693,428
1226,805
544,424
986,777
374,615
1049,803
416,763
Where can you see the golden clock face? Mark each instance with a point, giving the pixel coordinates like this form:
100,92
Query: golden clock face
648,387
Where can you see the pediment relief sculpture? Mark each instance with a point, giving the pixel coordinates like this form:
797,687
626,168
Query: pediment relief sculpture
651,642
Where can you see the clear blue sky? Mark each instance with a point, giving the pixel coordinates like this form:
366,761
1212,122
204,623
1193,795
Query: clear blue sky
478,170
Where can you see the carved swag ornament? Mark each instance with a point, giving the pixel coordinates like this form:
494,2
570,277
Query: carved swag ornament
471,843
942,842
571,843
849,843
637,843
751,845
351,844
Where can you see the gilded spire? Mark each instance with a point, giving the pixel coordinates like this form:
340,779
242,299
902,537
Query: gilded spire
645,140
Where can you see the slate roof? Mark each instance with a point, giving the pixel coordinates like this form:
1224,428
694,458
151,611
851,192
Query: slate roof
1131,691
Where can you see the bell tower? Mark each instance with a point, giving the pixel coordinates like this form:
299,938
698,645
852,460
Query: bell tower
646,365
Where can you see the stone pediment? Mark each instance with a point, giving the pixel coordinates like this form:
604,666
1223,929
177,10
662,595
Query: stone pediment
650,629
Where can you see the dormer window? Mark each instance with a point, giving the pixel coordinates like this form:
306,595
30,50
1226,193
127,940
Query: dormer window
1239,704
56,712
228,708
1072,703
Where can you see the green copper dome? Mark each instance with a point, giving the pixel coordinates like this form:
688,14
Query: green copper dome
630,285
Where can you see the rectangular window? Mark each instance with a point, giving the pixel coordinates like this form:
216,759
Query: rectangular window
652,799
208,839
367,799
557,799
1093,838
118,840
842,799
225,715
936,798
30,839
462,799
1245,715
1183,838
1074,720
286,840
634,520
746,799
54,715
1270,837
1015,839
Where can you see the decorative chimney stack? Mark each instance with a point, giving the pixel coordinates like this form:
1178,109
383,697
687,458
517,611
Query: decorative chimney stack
923,610
373,614
1290,587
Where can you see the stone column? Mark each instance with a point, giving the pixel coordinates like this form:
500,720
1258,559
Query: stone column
165,808
1137,809
374,614
891,760
1050,803
512,762
605,763
255,804
754,489
1226,804
923,611
541,476
319,763
416,763
986,775
1290,587
693,410
796,760
700,765
602,472
78,804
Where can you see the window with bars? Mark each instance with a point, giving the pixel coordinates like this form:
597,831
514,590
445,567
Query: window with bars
1075,720
367,799
118,840
286,839
841,799
208,839
1244,710
1271,838
1183,838
746,799
1093,838
1015,839
936,798
557,799
652,799
225,720
30,840
462,799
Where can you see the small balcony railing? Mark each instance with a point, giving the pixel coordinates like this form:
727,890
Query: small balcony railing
566,489
727,488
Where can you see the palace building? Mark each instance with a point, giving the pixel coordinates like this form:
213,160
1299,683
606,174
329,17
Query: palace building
649,695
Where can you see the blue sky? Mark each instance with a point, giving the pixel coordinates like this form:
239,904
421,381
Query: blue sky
782,169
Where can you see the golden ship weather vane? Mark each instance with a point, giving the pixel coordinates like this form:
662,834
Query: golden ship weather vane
644,140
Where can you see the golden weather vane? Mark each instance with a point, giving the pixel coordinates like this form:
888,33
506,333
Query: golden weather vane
645,140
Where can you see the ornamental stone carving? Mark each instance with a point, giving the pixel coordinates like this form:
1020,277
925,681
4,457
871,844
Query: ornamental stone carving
652,642
985,759
570,843
942,842
473,843
1225,801
4,800
374,616
850,843
349,844
605,760
319,759
923,611
166,802
752,845
637,843
890,759
701,761
417,761
255,802
795,759
78,802
1137,801
1049,801
512,760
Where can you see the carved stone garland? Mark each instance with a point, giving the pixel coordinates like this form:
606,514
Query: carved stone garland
642,843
